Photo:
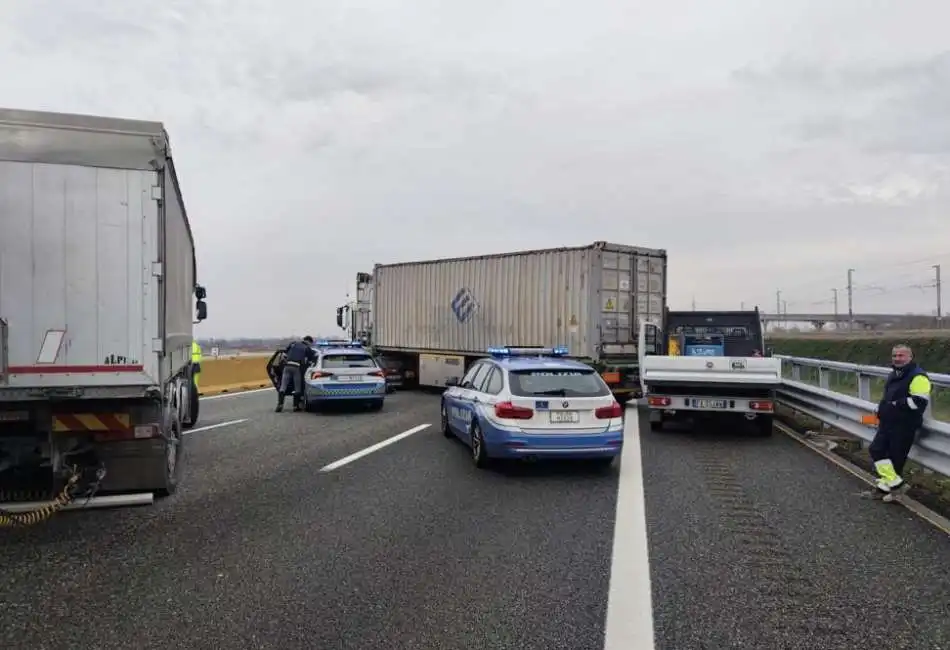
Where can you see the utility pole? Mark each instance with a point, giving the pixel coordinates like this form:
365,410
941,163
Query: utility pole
778,303
939,298
694,303
834,292
850,300
785,311
742,306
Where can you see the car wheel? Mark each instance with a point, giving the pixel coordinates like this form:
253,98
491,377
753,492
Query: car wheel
376,405
479,453
446,429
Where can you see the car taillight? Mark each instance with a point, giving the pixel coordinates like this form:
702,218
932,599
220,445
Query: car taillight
376,373
658,401
509,411
316,374
607,412
761,405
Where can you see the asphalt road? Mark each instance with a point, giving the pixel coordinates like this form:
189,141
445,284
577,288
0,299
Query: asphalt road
752,544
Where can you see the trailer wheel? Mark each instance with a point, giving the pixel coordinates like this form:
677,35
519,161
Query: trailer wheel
193,407
171,459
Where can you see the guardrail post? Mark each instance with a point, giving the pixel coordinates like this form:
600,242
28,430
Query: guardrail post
824,379
864,387
796,372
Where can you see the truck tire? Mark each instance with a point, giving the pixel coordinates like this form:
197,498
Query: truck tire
171,459
194,403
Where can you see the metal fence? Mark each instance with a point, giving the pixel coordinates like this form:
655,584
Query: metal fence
843,394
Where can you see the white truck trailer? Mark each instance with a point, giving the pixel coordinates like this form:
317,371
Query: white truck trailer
436,317
98,297
711,365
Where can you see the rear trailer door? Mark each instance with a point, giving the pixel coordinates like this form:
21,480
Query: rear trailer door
77,288
632,288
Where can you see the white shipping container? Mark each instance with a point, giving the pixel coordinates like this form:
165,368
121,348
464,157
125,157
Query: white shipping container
97,266
579,297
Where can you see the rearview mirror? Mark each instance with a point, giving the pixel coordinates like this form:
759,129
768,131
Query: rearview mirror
200,292
769,350
451,381
339,317
201,308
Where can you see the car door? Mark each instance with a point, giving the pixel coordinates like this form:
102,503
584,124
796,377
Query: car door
454,398
469,397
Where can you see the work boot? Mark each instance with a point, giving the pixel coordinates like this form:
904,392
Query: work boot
280,403
297,407
895,493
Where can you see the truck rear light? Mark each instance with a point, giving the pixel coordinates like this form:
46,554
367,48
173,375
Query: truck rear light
509,411
608,412
659,401
761,405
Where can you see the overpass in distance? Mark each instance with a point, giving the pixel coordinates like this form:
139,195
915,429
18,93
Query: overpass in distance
897,321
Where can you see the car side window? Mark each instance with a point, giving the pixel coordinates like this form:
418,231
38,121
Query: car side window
479,379
494,383
470,375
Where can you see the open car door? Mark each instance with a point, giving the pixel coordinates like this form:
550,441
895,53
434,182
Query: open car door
275,368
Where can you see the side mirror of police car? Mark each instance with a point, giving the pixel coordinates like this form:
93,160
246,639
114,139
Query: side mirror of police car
451,381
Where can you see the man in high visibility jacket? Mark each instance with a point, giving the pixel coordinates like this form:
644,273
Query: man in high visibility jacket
900,415
195,361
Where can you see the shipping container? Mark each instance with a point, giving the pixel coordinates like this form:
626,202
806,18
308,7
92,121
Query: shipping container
589,298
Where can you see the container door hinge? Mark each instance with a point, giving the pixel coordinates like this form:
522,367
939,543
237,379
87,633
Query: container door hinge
158,270
156,192
157,346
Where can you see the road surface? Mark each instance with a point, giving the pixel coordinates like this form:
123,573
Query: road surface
752,544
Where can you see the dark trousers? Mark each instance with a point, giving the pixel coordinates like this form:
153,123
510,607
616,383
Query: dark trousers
894,444
290,378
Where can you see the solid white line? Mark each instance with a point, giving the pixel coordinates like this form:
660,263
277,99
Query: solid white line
629,601
216,426
238,394
379,445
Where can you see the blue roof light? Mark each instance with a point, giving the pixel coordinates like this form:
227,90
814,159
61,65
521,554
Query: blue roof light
557,351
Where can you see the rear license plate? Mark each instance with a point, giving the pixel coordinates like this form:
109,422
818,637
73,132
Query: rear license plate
347,377
711,403
564,417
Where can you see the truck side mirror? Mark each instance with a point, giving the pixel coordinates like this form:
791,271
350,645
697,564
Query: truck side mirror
339,317
201,307
769,350
200,292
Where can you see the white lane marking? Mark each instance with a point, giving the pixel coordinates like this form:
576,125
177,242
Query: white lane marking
216,426
379,445
629,601
238,394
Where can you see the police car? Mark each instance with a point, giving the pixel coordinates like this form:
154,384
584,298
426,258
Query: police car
533,403
343,372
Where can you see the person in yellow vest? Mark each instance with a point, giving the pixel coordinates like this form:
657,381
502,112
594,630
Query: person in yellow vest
195,361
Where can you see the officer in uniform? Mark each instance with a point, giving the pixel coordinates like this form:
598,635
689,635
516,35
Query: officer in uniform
297,357
900,415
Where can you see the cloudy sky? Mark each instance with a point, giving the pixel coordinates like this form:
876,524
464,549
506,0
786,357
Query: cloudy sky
765,149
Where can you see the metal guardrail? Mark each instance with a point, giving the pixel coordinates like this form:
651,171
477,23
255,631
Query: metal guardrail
846,412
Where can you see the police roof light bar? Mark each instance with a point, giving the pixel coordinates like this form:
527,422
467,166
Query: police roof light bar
507,351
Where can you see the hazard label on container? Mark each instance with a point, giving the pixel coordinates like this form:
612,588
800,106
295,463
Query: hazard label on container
610,306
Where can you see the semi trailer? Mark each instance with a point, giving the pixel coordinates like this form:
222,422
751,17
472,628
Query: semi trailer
98,298
433,318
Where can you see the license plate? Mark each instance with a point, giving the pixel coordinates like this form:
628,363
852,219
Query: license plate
347,377
711,403
564,417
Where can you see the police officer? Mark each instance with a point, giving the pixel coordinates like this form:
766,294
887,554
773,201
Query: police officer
900,415
298,356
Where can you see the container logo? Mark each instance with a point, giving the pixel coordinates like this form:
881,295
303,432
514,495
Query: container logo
464,305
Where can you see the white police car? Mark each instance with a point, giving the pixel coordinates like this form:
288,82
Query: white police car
343,372
533,403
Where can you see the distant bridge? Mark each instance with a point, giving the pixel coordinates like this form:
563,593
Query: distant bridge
897,321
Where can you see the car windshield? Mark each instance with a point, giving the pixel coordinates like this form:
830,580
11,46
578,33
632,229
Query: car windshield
331,361
557,383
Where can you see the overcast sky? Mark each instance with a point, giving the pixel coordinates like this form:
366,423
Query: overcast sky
765,149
